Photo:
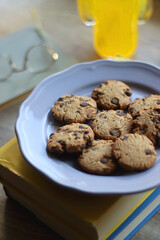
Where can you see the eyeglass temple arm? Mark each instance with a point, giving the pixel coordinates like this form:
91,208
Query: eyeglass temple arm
37,24
41,32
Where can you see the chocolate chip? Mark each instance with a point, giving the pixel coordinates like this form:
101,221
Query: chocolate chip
78,111
83,146
115,101
155,119
81,127
115,133
136,116
142,131
126,110
61,130
128,93
60,99
157,111
75,133
95,94
88,115
103,116
124,138
104,160
84,104
158,102
148,152
86,132
89,141
77,138
62,142
61,105
120,113
132,110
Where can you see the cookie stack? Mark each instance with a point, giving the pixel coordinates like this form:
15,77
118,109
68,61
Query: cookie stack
107,130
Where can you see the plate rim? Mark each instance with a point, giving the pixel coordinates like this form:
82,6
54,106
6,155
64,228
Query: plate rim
92,64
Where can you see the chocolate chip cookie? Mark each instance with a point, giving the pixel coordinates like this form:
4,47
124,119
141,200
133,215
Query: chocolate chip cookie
112,94
74,109
148,123
111,124
134,152
70,138
146,103
97,158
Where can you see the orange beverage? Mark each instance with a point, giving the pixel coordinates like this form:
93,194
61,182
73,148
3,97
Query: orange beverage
115,32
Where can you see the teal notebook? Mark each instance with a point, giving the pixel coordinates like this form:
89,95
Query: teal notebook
15,46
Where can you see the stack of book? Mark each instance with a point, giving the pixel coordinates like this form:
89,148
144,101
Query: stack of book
73,214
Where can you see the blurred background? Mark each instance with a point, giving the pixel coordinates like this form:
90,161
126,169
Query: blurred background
62,23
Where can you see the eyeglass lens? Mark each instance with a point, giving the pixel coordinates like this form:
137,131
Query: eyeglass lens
38,59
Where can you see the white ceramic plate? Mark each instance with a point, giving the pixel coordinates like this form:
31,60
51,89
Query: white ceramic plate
35,123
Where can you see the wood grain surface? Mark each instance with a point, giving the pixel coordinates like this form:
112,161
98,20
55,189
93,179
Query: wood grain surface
61,21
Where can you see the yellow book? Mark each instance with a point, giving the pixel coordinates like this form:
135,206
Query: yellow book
73,214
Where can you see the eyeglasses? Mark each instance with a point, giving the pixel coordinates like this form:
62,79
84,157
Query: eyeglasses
38,58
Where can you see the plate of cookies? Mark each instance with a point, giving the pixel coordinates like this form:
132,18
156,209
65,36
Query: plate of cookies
95,127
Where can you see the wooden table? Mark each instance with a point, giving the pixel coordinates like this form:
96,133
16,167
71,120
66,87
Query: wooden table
61,22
